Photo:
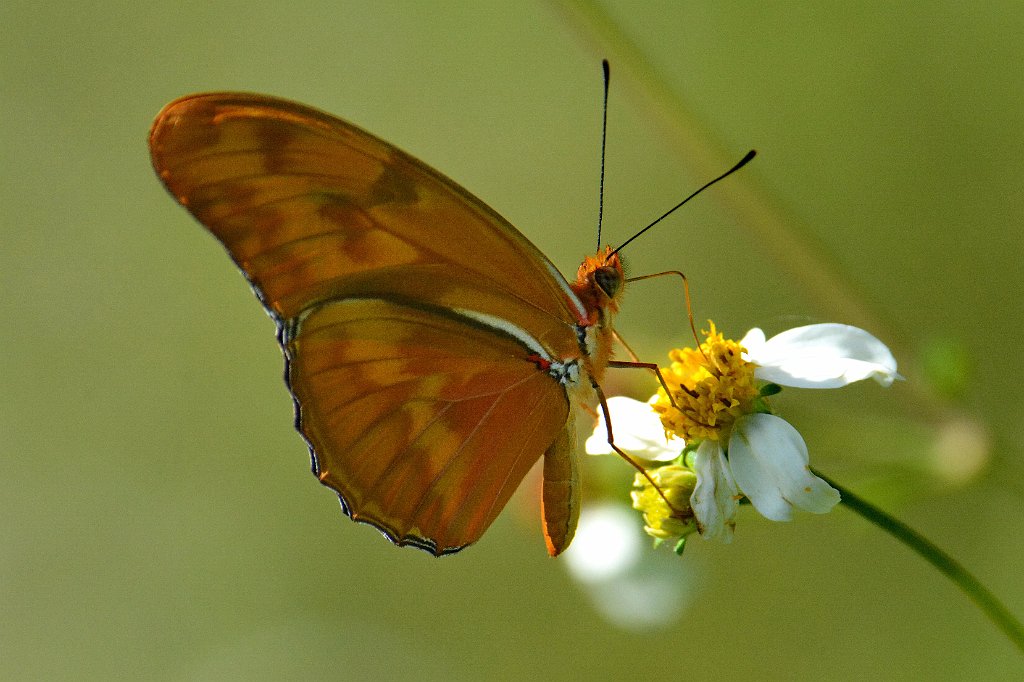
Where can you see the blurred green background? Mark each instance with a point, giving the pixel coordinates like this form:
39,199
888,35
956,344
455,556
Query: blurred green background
157,516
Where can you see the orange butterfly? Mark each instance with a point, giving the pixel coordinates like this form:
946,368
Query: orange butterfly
433,352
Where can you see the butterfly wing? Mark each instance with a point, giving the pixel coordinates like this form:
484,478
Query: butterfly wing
417,324
423,421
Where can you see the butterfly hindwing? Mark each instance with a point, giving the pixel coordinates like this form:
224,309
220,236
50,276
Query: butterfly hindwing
424,422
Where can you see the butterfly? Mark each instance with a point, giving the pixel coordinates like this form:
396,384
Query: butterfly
432,351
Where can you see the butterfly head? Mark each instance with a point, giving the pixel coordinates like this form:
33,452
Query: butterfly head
599,282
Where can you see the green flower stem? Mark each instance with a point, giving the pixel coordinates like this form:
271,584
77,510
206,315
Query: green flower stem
947,565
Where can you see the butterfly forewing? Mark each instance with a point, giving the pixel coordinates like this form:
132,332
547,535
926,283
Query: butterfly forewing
303,200
419,327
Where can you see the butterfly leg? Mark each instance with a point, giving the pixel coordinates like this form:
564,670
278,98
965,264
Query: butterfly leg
686,297
644,365
621,453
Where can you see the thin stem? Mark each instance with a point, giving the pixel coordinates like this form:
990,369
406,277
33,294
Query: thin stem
947,565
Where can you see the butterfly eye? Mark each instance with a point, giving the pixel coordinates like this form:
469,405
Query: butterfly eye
609,279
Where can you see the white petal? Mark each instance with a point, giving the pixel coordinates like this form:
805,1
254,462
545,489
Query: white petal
769,461
753,341
637,430
714,500
822,356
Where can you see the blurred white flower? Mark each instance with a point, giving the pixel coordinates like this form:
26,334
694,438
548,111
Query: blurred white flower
632,589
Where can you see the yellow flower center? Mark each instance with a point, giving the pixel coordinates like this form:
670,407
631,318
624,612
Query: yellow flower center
676,484
711,386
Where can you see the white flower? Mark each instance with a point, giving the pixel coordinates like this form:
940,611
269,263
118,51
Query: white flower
765,458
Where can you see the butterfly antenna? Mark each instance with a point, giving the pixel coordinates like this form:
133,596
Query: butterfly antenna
604,138
743,162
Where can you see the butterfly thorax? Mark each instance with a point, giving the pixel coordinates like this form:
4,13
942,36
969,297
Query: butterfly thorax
599,287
